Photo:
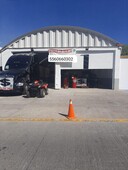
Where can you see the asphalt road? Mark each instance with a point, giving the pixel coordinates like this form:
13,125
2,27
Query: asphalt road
34,134
63,146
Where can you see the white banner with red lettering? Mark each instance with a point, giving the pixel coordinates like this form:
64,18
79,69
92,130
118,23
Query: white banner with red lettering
62,55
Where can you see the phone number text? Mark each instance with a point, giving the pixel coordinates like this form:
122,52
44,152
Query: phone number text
60,59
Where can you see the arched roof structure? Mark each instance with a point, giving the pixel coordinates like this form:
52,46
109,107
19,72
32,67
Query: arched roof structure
61,36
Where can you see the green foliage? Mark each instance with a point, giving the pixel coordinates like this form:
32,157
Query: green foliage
124,50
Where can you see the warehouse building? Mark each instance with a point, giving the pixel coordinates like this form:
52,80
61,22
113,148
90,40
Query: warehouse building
71,51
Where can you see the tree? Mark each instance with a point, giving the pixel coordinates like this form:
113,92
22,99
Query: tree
124,50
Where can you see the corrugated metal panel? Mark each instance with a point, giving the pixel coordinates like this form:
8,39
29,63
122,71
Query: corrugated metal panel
62,38
58,39
71,39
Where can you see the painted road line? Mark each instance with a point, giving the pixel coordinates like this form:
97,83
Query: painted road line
20,119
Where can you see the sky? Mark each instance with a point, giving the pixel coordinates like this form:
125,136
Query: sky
18,17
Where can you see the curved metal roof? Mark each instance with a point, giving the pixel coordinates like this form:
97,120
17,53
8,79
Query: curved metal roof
96,36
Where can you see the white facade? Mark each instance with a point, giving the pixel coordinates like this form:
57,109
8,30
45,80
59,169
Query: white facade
98,59
103,52
123,85
102,60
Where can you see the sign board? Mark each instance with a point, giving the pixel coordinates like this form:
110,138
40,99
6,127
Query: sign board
62,55
6,83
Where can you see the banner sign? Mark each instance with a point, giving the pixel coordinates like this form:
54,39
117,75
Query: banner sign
62,55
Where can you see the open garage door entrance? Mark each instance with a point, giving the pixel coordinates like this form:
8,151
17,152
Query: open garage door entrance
95,78
46,69
100,78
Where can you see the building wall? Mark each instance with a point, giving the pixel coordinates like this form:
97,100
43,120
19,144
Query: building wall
123,84
116,68
5,55
75,65
101,60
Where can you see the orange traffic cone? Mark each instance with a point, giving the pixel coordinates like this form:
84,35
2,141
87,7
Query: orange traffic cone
71,114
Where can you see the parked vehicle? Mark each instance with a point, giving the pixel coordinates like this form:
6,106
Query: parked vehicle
37,89
81,82
21,71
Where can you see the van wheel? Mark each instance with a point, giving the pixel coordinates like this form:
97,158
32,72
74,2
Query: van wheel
41,93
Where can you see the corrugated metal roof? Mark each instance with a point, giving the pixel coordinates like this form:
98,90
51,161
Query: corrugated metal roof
61,36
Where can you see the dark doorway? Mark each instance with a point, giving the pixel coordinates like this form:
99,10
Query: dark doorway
46,69
96,78
69,74
100,78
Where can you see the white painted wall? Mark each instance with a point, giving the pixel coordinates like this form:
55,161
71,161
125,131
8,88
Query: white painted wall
123,81
101,61
5,56
116,68
57,76
75,65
